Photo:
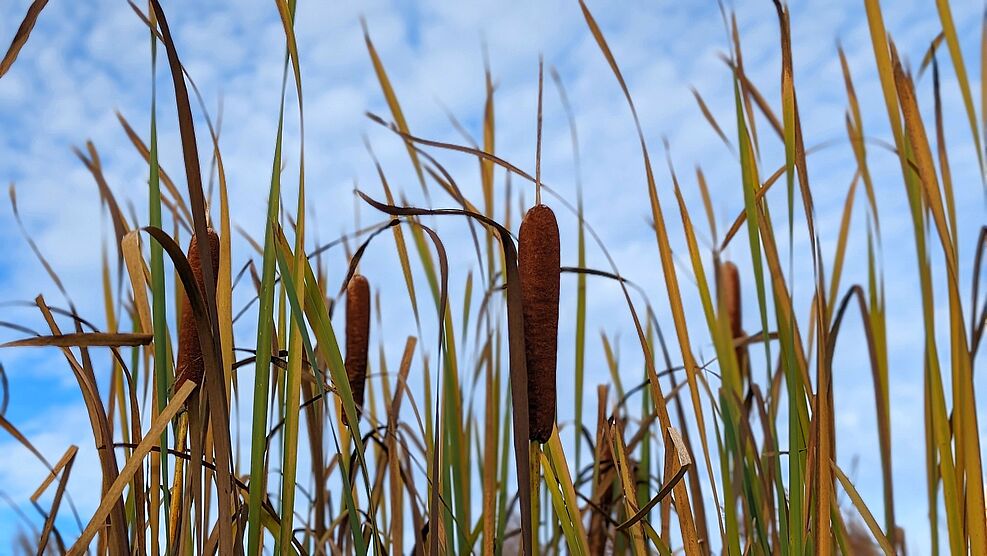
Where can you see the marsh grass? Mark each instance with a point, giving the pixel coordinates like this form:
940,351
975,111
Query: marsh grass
452,471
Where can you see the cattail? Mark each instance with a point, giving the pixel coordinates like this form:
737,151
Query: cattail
730,290
190,362
357,336
538,265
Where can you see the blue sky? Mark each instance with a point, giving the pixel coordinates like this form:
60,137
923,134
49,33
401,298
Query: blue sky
87,59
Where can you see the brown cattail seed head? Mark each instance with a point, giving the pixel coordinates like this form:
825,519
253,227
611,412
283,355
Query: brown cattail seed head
357,336
190,362
539,267
730,290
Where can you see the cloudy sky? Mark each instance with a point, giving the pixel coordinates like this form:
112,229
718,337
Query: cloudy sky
87,60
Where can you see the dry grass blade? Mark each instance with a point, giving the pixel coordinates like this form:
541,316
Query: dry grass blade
977,325
12,191
91,160
393,460
682,464
841,245
862,508
855,130
19,437
762,103
923,160
965,427
53,473
393,104
881,404
139,278
84,339
483,155
930,54
65,466
711,119
178,202
624,474
22,34
399,243
953,44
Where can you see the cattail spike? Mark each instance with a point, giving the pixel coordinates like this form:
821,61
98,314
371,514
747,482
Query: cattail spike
190,363
730,290
539,268
357,336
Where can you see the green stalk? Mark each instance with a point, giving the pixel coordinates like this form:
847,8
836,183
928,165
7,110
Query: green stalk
262,372
162,366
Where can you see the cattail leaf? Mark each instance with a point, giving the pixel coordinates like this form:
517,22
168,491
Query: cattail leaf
90,339
392,102
64,466
177,200
858,503
956,54
855,131
711,119
139,276
683,463
627,482
399,242
555,457
21,35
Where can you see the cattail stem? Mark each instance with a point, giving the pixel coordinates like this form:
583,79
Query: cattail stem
357,337
541,75
176,488
603,493
534,460
539,269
